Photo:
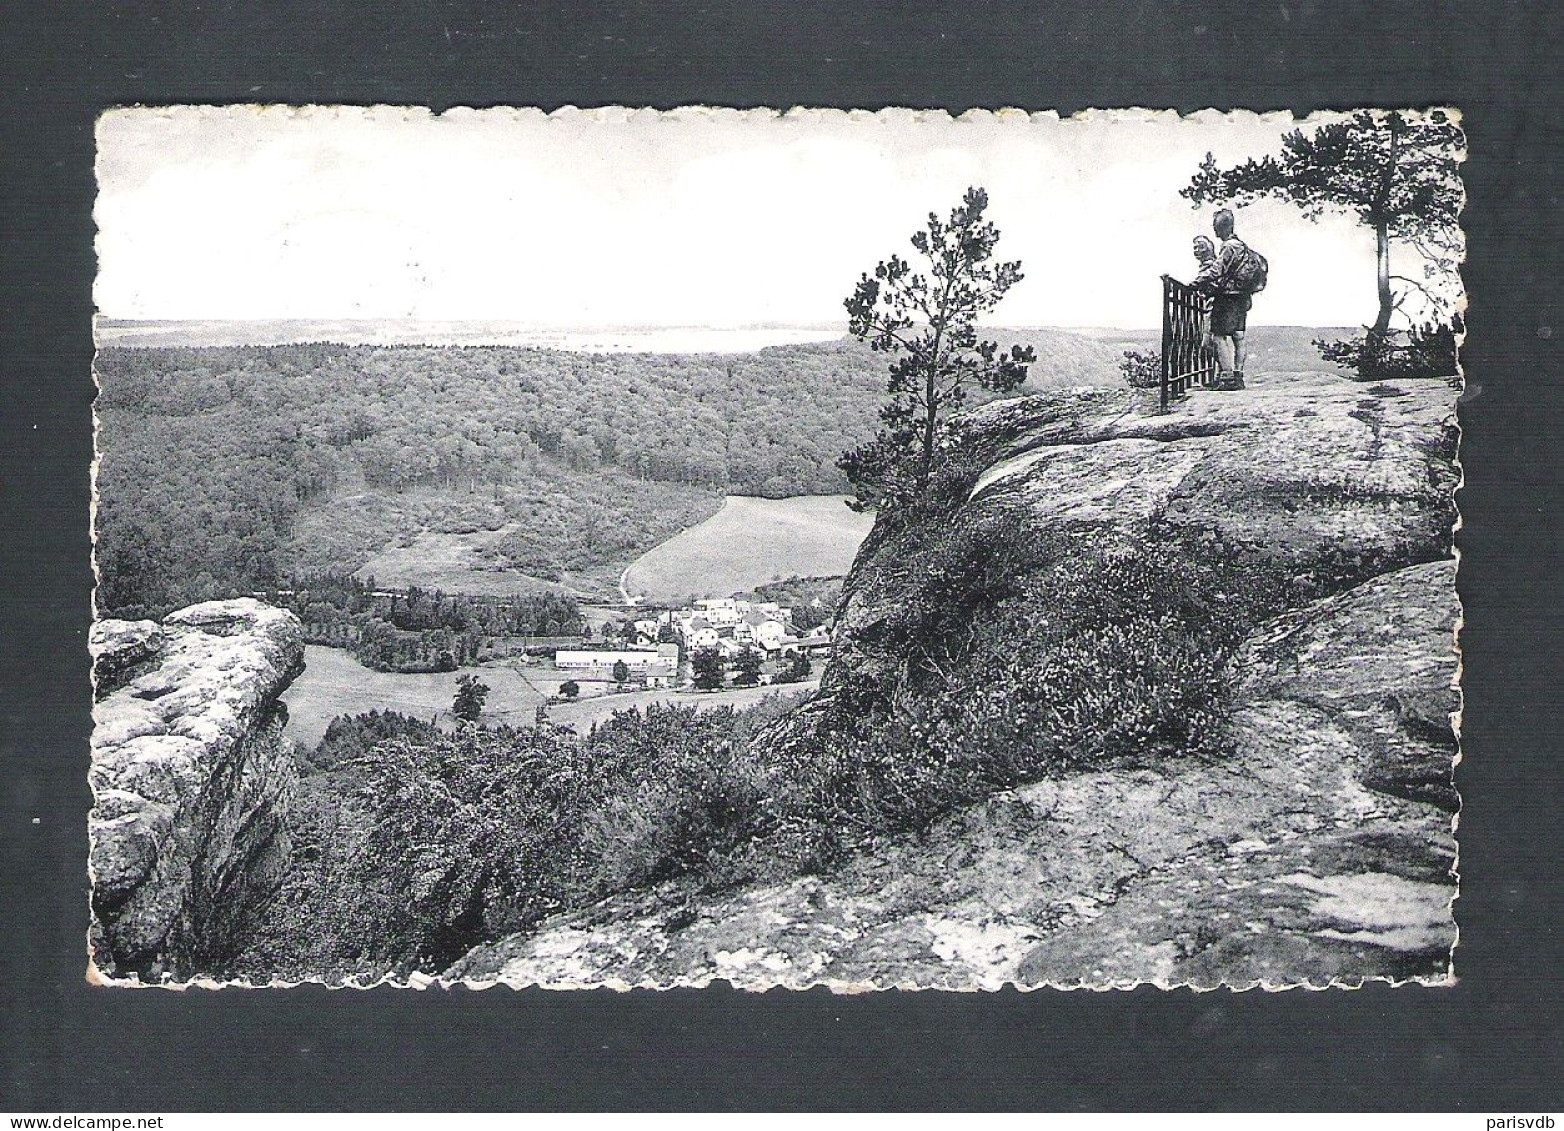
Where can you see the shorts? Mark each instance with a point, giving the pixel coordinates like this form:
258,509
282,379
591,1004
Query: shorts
1230,314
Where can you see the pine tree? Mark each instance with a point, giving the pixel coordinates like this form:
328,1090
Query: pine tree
928,323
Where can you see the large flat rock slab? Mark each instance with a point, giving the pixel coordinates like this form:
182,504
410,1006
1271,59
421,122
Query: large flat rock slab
190,776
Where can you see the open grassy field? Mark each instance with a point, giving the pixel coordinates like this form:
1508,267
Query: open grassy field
334,683
749,542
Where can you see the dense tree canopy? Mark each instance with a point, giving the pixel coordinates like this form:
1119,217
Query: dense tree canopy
229,469
420,630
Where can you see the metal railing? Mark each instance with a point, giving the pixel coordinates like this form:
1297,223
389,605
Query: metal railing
1187,357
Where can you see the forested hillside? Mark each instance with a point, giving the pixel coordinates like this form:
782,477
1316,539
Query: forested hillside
227,469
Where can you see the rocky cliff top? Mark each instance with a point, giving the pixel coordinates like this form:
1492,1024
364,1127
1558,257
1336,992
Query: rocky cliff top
1306,840
1334,478
187,711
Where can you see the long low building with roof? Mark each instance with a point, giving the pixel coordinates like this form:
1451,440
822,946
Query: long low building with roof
654,667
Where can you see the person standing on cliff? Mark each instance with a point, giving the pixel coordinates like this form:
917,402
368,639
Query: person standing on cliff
1205,281
1240,273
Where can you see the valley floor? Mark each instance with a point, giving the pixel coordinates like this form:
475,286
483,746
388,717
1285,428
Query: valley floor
334,683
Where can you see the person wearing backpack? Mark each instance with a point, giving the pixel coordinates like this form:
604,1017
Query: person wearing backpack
1241,274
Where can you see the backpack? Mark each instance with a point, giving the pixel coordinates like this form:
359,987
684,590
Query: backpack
1249,272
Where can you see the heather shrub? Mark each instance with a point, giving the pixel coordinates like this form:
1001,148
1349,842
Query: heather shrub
673,799
1010,659
428,843
1426,350
1142,369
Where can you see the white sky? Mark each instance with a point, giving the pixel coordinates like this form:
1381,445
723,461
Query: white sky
690,218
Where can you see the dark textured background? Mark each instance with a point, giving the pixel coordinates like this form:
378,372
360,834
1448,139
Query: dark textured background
1491,1043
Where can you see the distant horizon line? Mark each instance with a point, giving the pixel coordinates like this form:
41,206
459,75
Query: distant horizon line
541,327
632,327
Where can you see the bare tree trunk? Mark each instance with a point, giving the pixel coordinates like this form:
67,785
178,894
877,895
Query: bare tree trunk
1386,299
930,420
1382,229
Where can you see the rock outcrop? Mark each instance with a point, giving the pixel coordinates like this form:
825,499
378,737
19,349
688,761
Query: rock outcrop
1326,478
191,777
1317,850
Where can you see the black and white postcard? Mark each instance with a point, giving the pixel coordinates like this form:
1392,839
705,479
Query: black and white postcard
627,548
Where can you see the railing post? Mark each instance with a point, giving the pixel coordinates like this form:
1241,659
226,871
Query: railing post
1185,360
1167,338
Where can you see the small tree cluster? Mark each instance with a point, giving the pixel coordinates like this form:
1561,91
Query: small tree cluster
799,667
746,668
471,694
708,668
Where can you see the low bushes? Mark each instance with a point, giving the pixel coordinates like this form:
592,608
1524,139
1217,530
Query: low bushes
1011,659
414,845
1142,369
1427,350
